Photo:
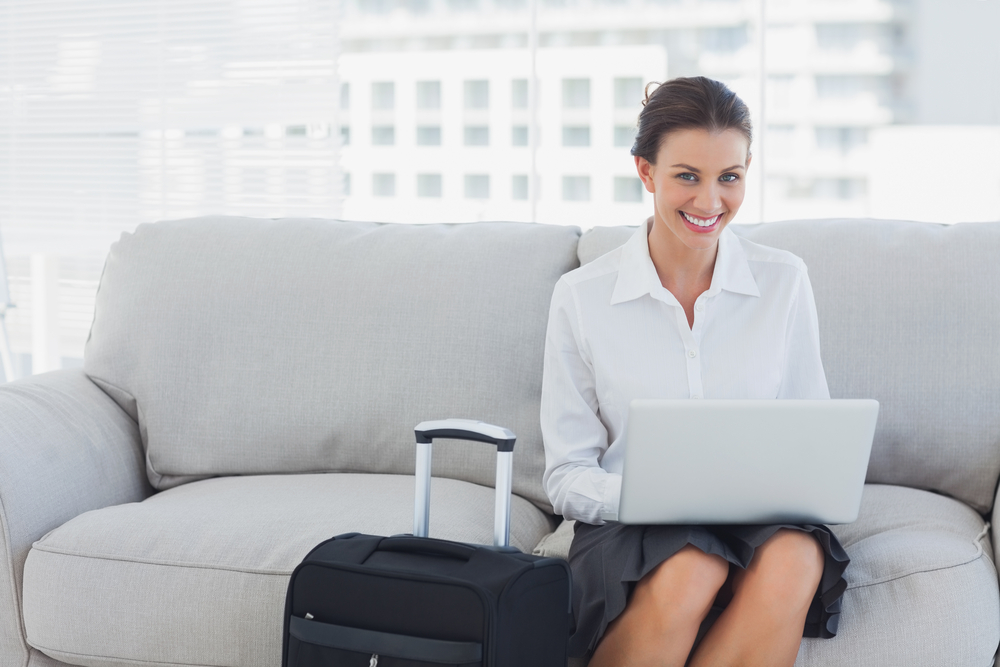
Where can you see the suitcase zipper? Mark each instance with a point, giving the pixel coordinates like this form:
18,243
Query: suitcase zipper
374,660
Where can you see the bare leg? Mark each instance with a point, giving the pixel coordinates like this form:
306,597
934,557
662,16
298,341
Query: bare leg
661,620
762,626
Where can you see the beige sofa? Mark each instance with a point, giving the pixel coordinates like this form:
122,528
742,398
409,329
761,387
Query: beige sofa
250,388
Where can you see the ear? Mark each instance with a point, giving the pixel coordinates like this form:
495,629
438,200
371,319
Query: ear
645,170
749,157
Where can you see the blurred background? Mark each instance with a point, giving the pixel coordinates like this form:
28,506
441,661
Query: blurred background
119,112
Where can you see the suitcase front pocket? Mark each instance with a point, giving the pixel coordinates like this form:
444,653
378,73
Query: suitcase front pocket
312,643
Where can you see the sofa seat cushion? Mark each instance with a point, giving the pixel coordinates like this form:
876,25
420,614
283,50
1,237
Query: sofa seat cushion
197,575
921,587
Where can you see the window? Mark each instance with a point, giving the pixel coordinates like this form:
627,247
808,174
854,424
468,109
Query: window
727,39
628,92
841,139
345,135
576,188
428,185
383,95
519,135
383,135
428,94
477,94
477,186
624,136
519,187
576,93
576,135
839,36
519,93
477,135
345,96
384,185
628,189
846,86
347,184
839,188
428,135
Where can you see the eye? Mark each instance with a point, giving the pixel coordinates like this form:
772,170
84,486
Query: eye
729,178
687,176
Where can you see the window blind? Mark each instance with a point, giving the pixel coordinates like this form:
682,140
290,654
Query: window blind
115,112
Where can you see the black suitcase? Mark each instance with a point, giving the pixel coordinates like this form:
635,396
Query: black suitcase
369,601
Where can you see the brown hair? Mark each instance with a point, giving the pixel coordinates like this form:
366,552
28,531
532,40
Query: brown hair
688,103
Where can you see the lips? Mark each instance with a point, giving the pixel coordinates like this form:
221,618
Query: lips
701,224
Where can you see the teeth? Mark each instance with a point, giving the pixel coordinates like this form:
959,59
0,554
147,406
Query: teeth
701,222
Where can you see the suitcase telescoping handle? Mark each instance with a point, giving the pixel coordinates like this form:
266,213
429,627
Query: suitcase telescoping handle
465,429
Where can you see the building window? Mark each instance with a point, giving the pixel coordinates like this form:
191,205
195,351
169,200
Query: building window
345,96
839,36
839,188
729,39
846,86
345,135
477,94
576,93
519,135
347,184
624,136
384,185
519,93
477,135
383,95
576,188
477,186
428,135
383,135
519,186
576,135
628,189
842,139
628,92
428,94
428,185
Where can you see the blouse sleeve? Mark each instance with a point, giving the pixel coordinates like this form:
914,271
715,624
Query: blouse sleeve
574,437
802,372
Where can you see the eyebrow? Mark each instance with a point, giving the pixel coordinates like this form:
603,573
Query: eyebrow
698,171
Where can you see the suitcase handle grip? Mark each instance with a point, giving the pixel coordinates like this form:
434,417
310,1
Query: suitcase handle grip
430,547
465,429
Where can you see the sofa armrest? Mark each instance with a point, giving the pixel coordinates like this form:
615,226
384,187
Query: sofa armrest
65,448
994,529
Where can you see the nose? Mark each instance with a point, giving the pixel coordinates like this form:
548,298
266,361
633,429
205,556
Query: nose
708,198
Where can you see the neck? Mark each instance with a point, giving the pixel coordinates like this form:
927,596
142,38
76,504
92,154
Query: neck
678,266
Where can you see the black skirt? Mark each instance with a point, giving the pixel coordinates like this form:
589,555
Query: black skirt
608,560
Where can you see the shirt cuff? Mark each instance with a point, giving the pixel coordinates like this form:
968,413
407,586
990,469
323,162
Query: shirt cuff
612,496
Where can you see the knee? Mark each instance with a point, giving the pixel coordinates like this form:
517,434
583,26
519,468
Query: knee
791,565
686,583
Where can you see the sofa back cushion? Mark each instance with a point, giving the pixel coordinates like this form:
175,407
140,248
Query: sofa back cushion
245,346
909,315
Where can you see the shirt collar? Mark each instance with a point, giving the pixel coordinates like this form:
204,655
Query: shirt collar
637,275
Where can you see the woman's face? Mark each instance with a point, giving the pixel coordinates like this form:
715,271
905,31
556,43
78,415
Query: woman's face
698,183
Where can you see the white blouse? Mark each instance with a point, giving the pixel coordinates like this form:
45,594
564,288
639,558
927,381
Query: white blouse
615,334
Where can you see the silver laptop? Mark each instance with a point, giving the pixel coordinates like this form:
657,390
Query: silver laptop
746,461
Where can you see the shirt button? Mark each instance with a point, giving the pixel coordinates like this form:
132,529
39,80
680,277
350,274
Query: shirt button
692,353
695,395
699,306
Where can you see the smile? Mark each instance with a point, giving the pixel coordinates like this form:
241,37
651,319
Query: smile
704,223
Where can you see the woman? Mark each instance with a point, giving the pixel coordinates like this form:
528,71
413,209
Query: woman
685,309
